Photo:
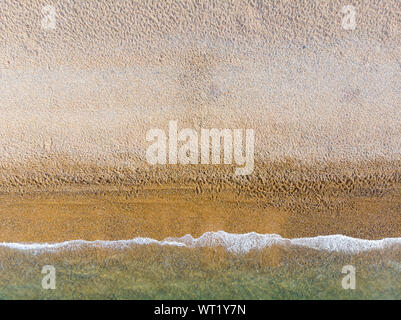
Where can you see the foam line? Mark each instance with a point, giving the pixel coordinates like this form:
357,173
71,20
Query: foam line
236,243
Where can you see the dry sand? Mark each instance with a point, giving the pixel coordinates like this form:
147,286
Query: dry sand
111,70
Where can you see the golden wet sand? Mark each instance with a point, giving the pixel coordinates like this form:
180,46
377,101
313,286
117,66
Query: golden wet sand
289,200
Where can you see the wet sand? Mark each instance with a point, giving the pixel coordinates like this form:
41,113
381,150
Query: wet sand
282,198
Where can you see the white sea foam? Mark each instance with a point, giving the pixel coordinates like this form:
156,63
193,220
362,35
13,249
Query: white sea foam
236,243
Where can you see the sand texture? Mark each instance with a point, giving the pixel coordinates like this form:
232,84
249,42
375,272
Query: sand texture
77,100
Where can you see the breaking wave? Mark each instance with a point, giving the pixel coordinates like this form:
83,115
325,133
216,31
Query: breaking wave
235,243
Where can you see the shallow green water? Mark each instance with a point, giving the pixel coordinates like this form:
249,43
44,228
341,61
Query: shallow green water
153,272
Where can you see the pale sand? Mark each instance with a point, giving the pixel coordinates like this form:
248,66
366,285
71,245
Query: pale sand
111,70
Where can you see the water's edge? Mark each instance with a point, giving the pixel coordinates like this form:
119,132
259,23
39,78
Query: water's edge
235,243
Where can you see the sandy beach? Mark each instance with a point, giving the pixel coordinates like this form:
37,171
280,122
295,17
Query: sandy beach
79,95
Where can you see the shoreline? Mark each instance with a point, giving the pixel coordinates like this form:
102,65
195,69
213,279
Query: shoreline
233,243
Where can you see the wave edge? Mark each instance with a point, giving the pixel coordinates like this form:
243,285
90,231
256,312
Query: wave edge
235,243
